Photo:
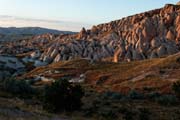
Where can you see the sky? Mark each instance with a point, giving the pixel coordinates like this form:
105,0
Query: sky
70,15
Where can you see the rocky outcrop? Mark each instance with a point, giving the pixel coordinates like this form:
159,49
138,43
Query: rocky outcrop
92,49
22,46
11,63
147,35
178,3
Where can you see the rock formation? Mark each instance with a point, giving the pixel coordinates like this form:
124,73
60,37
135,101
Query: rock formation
178,3
147,35
10,66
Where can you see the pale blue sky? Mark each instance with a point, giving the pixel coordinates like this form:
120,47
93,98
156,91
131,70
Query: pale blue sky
80,12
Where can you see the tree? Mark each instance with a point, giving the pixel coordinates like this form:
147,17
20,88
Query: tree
19,88
62,96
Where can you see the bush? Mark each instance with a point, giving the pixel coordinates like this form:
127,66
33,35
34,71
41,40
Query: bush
135,95
153,95
62,96
18,87
116,96
166,100
176,88
112,95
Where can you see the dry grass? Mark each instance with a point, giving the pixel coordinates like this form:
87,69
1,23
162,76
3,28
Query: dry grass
17,109
118,76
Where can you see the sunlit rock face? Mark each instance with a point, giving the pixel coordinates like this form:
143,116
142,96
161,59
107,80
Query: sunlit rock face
178,3
147,35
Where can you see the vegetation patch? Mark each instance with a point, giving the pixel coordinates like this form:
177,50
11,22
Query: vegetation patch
19,88
62,96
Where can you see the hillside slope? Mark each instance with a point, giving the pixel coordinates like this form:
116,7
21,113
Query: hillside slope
30,30
156,74
13,33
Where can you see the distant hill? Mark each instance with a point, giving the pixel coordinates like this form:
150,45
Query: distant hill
13,33
30,31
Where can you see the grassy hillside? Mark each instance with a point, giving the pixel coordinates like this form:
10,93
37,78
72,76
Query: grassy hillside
156,74
113,91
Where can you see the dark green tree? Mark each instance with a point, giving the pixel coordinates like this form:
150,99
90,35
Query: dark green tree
19,88
62,96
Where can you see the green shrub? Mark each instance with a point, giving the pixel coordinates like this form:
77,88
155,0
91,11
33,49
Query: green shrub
153,95
107,94
19,88
116,96
135,95
112,95
167,100
176,88
62,96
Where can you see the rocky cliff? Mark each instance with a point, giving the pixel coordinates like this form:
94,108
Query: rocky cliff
151,34
147,35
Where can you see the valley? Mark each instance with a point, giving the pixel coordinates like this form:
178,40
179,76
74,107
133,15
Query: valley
126,69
